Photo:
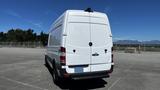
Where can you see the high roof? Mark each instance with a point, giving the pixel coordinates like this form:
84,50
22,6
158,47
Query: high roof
85,13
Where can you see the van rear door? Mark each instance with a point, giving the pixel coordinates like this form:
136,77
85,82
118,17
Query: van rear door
101,40
88,43
78,52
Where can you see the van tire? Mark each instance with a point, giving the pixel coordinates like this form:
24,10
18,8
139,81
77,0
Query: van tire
56,78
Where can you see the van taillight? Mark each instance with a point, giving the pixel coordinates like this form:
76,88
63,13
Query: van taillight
63,59
112,62
112,57
112,65
62,49
63,55
112,49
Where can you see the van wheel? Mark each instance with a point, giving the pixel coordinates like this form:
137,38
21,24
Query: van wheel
56,78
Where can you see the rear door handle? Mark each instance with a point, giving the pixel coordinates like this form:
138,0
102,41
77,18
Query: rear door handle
95,54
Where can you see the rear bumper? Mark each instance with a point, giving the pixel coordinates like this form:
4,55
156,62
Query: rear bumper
88,75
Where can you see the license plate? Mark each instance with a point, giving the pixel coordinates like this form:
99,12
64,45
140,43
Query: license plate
78,69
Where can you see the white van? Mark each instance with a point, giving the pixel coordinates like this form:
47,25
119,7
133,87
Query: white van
80,46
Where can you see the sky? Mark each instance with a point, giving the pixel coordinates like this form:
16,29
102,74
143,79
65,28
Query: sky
129,19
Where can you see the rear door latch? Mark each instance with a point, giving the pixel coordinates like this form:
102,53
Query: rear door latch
90,44
95,54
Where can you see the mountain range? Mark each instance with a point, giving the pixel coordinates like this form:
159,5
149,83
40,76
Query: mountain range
136,42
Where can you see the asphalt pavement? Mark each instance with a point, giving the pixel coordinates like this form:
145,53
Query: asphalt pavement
24,69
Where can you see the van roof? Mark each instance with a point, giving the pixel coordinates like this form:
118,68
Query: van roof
79,13
85,13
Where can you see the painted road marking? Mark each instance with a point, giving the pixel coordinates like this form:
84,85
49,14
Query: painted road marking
25,84
114,83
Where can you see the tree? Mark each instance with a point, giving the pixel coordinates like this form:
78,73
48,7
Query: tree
11,35
20,35
43,38
1,36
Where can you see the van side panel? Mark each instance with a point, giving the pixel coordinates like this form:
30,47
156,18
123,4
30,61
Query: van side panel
55,39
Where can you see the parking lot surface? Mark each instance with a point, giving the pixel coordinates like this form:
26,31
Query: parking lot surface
24,69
